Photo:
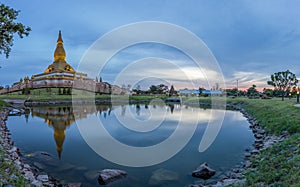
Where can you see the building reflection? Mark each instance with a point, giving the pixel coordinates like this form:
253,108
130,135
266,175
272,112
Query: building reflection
60,118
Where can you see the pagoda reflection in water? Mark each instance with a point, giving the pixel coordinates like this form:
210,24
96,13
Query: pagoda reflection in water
59,118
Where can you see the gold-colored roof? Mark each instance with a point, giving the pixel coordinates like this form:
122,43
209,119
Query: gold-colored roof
59,64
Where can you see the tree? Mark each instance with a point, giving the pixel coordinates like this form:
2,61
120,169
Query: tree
268,92
158,89
137,90
172,91
283,81
69,91
8,27
252,91
201,90
153,89
232,92
59,91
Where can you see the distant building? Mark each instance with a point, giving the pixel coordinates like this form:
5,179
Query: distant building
188,92
212,92
194,92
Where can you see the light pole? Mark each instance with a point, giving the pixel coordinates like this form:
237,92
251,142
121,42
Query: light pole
237,87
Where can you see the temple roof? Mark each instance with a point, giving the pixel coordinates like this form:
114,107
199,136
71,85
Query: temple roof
59,64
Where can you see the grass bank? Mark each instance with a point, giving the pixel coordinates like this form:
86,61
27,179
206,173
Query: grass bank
3,104
43,95
9,173
278,165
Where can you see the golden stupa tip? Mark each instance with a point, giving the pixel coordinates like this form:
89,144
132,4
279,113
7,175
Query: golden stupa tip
59,37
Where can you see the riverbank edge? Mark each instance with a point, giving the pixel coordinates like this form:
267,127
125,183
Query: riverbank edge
83,102
13,156
236,176
262,141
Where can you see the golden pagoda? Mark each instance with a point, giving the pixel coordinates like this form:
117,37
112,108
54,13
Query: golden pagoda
59,73
59,64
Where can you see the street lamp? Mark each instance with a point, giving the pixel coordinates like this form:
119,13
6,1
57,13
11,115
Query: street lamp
237,86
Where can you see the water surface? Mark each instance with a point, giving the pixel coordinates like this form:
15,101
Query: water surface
53,130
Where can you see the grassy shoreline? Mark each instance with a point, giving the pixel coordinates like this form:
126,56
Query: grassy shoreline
76,97
278,165
9,172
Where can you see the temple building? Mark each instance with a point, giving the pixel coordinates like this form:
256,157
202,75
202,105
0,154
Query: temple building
60,74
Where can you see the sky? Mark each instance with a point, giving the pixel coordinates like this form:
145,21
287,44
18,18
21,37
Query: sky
250,40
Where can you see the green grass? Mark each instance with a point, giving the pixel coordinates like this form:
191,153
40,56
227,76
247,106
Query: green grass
3,104
278,165
9,173
43,95
274,115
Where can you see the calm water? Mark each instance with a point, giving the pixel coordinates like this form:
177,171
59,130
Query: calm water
53,130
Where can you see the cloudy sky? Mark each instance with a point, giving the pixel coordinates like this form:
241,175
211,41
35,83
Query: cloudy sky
249,39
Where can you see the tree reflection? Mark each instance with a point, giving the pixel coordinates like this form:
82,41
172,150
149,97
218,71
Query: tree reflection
61,117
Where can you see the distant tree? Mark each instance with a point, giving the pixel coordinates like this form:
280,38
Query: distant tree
153,89
201,90
232,92
252,91
8,27
27,91
69,91
172,91
268,92
59,91
138,89
158,89
283,82
64,91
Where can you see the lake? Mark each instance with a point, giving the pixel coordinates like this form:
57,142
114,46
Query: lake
50,140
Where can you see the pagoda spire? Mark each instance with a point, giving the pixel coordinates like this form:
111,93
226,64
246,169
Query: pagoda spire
59,39
59,53
59,136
